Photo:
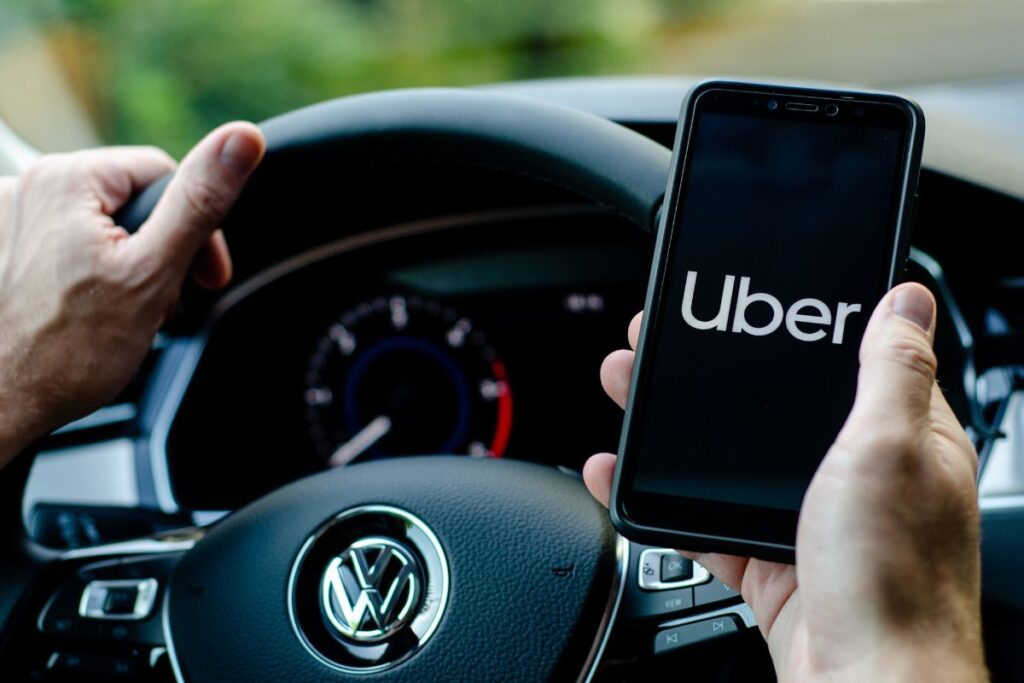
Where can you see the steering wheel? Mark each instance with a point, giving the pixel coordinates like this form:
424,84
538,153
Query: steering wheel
426,569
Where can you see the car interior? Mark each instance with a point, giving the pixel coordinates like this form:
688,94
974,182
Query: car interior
426,282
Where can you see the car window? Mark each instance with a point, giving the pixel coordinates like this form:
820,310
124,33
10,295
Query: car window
80,72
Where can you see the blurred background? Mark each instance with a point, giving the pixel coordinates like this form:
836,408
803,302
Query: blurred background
76,73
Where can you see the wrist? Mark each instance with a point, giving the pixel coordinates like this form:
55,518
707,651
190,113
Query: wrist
961,663
900,661
18,426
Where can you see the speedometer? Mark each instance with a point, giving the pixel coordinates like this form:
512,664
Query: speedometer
405,376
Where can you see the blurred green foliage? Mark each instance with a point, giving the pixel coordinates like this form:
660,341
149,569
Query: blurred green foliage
166,71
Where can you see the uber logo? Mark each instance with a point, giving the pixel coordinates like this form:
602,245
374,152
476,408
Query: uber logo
804,319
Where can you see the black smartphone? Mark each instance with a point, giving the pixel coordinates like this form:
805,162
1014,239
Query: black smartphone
786,219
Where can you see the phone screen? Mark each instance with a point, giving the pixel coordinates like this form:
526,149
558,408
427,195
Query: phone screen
781,243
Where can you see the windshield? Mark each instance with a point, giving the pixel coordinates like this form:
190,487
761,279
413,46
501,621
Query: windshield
83,72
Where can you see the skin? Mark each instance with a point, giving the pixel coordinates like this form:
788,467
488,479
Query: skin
80,299
886,585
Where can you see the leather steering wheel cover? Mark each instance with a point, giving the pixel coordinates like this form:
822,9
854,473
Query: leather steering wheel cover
531,557
596,158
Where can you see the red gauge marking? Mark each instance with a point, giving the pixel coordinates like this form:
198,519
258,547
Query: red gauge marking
504,428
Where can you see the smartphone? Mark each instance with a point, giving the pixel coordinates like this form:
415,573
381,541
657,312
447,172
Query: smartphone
786,219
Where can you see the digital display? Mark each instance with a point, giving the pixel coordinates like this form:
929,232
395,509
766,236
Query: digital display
780,249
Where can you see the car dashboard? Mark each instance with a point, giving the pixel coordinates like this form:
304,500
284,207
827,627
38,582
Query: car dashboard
413,312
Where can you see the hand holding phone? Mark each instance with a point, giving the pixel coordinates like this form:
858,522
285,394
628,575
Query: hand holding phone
786,219
887,584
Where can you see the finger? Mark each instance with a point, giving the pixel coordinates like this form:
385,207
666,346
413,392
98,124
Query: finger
597,475
205,187
728,569
117,173
616,374
598,472
212,266
633,334
892,408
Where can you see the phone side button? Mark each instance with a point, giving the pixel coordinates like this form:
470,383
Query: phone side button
694,632
642,605
713,592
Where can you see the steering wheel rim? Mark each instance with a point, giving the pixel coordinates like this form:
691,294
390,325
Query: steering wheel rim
593,157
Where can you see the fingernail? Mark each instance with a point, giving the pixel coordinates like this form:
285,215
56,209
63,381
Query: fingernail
241,152
916,305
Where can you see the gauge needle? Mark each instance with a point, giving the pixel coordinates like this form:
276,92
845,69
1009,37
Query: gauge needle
366,437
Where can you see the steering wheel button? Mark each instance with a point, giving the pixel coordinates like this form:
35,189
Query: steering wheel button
130,599
643,604
713,592
101,667
663,569
120,600
694,632
675,567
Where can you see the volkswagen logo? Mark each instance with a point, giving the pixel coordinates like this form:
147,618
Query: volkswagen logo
368,589
371,590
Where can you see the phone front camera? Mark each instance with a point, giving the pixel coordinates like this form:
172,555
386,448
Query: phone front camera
772,105
831,109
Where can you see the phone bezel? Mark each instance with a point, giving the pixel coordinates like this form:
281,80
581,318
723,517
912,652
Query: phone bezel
701,524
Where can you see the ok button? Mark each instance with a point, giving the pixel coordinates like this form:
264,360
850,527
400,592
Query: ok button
675,567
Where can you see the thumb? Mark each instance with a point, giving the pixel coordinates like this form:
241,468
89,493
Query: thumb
897,370
200,195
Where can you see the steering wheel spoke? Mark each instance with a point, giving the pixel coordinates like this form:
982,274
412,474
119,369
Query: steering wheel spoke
670,603
97,613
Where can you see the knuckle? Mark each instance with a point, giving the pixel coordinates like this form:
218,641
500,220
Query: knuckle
914,354
42,169
160,154
204,199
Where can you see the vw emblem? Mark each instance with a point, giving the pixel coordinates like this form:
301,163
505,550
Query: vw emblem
368,589
371,590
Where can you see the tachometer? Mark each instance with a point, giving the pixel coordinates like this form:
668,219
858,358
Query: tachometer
406,376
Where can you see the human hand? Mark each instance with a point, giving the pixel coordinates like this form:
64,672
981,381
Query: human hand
80,299
886,585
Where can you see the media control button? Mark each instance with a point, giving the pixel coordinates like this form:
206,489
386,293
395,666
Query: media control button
94,667
694,632
675,567
662,569
121,599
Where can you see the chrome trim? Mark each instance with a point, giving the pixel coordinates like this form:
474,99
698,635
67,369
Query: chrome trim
165,626
741,610
167,410
700,574
368,577
604,629
1001,484
114,414
993,503
92,604
170,402
442,600
142,546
